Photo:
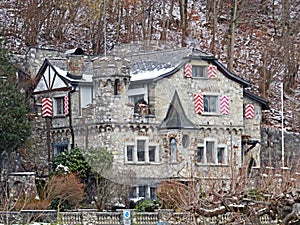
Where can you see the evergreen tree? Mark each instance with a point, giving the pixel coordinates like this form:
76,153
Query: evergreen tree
14,123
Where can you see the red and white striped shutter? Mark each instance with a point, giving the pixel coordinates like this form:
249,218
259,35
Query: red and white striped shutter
212,71
249,111
224,104
66,105
47,107
198,99
188,70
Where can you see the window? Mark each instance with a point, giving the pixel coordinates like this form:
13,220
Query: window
141,152
210,103
135,98
58,106
200,154
152,152
221,155
199,71
59,147
144,191
152,193
116,87
173,150
130,153
86,96
136,93
210,153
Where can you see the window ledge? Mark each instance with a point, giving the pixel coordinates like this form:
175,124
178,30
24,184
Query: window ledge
60,116
213,165
201,78
211,114
142,163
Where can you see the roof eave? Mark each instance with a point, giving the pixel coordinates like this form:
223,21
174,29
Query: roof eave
264,103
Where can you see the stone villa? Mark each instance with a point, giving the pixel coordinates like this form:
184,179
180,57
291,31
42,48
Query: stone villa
162,113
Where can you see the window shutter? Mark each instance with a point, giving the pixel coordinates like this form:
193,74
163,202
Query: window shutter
188,70
212,71
47,110
198,99
66,105
224,105
249,111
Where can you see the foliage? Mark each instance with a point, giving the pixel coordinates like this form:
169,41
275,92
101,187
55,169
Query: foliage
100,160
147,205
107,186
13,116
75,162
65,191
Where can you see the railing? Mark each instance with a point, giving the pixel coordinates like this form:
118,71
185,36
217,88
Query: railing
91,217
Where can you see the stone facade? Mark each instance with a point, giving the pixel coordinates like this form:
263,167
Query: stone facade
161,137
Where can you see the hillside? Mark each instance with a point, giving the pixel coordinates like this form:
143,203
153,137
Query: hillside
257,39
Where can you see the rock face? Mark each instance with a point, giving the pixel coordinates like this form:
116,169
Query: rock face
140,106
272,148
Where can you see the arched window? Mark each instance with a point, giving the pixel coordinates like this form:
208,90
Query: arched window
173,150
116,87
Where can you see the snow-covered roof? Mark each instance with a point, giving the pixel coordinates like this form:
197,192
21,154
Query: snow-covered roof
150,74
85,77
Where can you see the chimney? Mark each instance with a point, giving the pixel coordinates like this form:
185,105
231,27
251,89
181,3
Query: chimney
75,63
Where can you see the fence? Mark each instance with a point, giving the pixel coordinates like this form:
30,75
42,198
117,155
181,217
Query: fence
91,217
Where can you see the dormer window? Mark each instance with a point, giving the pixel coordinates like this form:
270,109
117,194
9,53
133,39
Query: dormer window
199,71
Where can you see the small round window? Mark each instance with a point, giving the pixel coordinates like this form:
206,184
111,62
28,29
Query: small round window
185,140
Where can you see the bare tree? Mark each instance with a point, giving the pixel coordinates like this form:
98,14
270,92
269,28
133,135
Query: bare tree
184,21
274,192
110,184
65,188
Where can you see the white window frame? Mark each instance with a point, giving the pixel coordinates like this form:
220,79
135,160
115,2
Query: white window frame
146,156
55,103
225,154
204,71
173,152
81,96
141,91
217,96
147,192
214,152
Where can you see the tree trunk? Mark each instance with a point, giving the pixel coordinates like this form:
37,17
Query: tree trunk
231,35
183,16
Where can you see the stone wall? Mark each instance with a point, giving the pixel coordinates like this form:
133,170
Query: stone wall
90,217
271,153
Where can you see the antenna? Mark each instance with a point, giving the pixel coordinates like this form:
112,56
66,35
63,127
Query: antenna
282,128
104,26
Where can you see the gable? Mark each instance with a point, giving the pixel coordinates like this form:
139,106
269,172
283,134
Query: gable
176,117
50,78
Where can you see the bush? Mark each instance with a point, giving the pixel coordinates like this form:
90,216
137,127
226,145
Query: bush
147,206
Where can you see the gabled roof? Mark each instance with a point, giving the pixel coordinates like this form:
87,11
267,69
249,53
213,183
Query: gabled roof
156,65
51,78
176,117
264,104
